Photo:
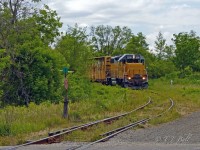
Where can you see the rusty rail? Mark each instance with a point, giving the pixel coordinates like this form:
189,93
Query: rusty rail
112,133
56,136
106,120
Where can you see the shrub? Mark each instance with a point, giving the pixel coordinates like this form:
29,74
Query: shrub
34,76
79,87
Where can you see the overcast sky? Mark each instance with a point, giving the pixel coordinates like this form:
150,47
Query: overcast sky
146,16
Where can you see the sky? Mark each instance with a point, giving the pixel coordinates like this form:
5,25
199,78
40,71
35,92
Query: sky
147,16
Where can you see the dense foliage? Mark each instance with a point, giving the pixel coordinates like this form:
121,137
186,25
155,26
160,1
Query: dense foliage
30,69
187,53
34,76
75,48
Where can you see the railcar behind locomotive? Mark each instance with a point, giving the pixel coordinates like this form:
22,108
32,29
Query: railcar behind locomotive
127,70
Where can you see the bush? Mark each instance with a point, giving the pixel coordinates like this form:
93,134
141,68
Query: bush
173,75
34,76
160,68
195,76
79,87
5,130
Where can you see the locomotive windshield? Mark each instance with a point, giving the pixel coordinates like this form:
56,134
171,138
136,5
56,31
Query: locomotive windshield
131,58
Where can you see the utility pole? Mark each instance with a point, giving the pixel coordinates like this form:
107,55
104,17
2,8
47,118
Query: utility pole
66,101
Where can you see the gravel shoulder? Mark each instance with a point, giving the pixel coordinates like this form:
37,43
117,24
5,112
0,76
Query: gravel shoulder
181,131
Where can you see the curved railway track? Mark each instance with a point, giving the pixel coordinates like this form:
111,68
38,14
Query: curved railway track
112,133
56,136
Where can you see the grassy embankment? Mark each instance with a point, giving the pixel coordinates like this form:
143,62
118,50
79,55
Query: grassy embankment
19,124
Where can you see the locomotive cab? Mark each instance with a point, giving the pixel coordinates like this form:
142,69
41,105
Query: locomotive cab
135,74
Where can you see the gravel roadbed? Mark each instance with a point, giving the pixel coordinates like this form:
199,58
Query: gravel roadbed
182,131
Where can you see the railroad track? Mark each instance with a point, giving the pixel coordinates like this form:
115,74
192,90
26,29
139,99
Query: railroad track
112,133
56,136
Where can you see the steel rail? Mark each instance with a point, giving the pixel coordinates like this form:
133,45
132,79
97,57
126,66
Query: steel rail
55,138
112,133
118,129
99,121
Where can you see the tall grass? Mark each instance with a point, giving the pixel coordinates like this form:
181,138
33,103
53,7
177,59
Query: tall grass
21,123
37,120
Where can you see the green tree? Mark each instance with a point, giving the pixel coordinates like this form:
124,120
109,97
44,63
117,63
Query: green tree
4,64
75,48
33,73
187,53
160,45
169,52
18,9
48,24
159,68
35,77
138,45
106,39
20,16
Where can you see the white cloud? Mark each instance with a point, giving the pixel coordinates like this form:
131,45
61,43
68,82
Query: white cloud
147,16
183,6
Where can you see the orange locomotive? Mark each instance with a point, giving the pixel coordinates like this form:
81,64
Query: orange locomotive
127,70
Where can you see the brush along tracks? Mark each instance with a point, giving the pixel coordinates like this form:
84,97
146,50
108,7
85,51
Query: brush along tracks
106,136
56,136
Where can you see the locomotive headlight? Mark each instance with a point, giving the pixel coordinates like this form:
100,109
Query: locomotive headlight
129,78
143,78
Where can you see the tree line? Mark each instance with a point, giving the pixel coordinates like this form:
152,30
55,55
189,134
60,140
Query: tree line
33,52
80,43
